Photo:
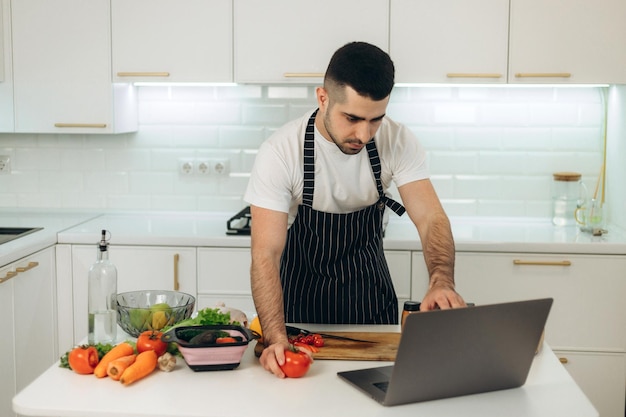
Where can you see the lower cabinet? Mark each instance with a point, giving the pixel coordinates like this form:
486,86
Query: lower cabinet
600,375
28,309
587,323
7,350
224,277
399,263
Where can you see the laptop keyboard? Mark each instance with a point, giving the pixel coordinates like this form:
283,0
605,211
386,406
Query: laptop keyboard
383,386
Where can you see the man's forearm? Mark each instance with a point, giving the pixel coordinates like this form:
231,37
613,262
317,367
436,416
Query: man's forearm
439,251
268,300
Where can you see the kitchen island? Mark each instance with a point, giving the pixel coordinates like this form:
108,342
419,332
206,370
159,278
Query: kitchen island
249,390
498,259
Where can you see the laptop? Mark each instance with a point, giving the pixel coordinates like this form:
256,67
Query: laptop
449,353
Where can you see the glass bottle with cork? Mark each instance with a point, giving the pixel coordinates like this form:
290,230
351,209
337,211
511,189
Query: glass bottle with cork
102,305
568,194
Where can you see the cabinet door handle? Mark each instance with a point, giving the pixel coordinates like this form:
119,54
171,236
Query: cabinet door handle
8,276
564,361
143,74
176,283
472,75
303,75
541,263
30,265
543,75
83,125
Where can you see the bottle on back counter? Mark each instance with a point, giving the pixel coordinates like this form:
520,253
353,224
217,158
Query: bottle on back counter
410,307
102,305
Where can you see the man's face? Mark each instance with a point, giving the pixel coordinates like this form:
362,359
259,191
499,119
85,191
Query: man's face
348,119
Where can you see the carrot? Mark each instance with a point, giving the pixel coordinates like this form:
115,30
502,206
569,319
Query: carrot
118,366
122,349
145,363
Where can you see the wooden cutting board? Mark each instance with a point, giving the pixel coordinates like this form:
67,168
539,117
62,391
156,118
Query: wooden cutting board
384,349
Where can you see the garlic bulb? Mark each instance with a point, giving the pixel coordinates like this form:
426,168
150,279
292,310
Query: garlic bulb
236,315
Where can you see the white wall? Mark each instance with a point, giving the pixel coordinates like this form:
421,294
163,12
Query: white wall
491,150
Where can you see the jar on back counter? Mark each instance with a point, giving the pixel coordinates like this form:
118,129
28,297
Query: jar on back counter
568,194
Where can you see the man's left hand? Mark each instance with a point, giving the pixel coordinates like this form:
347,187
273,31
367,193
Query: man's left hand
441,296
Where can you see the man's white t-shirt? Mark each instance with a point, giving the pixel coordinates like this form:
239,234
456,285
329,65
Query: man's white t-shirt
343,183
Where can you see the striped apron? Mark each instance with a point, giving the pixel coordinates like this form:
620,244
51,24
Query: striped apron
333,269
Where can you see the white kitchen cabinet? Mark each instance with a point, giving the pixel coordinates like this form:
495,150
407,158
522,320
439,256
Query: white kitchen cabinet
399,263
449,40
35,315
173,41
583,295
6,77
224,277
419,276
7,348
567,41
62,69
290,41
601,377
2,36
138,268
28,308
588,317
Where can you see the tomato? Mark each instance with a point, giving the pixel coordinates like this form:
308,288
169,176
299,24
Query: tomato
318,341
297,362
302,345
151,340
226,339
83,359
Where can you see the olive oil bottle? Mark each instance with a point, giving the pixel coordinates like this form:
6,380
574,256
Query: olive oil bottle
102,304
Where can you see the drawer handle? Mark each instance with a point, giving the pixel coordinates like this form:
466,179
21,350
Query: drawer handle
563,360
8,276
543,75
30,265
143,74
542,263
176,282
83,125
472,75
303,75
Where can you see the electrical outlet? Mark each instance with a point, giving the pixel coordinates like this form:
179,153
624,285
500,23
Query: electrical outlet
185,166
203,167
5,164
221,166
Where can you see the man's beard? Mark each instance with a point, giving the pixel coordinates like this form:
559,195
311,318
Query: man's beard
343,146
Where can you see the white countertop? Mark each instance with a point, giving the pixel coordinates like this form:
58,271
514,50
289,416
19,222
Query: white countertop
52,224
470,234
249,390
208,230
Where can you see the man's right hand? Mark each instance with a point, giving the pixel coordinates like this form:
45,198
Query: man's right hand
273,357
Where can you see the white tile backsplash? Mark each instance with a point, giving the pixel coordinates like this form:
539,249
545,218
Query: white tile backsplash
491,150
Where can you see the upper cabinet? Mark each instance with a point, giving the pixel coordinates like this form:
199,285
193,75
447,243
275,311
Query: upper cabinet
172,41
536,41
577,41
2,36
449,40
6,81
292,41
62,69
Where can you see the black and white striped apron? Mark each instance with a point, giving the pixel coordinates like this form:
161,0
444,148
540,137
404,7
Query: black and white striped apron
333,269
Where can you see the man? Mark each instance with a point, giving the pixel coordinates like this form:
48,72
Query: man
317,195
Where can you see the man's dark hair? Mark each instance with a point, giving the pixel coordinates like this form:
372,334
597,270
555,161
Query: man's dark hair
364,67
